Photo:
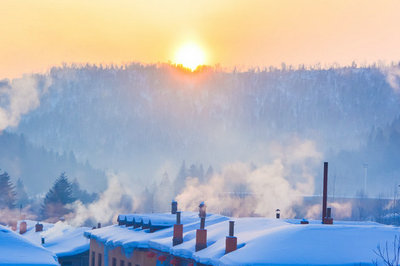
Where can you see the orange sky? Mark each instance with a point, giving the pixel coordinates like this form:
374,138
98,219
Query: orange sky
36,34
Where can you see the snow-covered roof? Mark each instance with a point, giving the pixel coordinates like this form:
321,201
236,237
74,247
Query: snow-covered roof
60,238
261,241
16,250
160,219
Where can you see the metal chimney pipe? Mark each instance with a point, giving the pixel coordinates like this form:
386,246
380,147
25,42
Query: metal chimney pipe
98,225
231,228
178,217
325,191
42,240
202,223
174,207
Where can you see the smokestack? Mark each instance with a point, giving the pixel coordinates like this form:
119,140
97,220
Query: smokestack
201,234
325,218
174,207
22,227
231,240
38,227
325,191
178,230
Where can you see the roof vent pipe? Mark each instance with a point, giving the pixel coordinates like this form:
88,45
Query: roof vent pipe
174,207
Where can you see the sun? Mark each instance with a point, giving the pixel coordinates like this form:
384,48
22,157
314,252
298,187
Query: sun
190,56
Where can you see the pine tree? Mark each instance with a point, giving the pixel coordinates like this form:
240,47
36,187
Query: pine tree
7,192
81,194
57,197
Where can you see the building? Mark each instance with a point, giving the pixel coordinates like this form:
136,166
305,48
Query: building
16,250
156,239
66,242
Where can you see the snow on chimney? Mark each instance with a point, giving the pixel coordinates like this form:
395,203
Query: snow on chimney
22,227
201,234
38,227
178,230
231,240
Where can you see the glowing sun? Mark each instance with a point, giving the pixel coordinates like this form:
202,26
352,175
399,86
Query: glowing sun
190,56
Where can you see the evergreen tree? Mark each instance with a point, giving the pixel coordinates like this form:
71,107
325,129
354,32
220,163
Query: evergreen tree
7,192
57,197
22,196
81,194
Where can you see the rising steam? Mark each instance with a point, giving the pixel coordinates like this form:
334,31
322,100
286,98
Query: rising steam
18,97
116,199
244,190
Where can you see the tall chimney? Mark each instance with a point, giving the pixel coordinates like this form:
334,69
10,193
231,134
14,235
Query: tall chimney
325,191
326,217
231,240
174,207
22,227
178,230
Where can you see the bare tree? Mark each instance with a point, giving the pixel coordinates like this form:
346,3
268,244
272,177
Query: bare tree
385,255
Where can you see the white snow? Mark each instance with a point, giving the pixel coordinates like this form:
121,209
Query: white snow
261,241
60,238
16,250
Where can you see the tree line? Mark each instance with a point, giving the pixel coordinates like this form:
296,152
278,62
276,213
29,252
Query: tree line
52,207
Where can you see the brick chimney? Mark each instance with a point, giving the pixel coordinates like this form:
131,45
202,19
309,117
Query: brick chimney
178,230
22,227
231,240
38,227
201,234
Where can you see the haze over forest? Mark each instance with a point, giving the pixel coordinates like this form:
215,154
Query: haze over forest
144,120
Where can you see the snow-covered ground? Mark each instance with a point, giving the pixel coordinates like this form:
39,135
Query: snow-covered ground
60,238
17,250
261,241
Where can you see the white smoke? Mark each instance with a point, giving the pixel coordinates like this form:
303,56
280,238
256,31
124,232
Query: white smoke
339,210
19,97
117,198
392,77
244,190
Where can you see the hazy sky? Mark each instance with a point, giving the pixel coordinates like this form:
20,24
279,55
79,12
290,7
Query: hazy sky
36,34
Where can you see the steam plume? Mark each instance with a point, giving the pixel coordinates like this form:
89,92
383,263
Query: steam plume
244,190
18,97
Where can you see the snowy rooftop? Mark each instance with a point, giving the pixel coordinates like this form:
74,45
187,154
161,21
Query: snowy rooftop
261,241
60,238
16,250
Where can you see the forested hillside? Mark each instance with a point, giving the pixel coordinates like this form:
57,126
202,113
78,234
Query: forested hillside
135,118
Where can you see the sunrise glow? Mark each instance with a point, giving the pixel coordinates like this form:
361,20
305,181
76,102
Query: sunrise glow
190,56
